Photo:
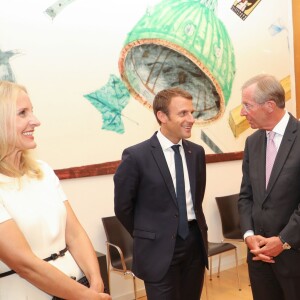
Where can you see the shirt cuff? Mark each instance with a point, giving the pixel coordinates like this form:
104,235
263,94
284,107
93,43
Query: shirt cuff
248,233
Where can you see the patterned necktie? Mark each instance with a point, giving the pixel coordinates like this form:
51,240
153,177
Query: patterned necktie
270,155
183,228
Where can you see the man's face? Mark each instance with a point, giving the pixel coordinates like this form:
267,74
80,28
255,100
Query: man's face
255,113
178,123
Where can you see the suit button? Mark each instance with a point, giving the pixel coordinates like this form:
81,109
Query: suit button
176,215
173,236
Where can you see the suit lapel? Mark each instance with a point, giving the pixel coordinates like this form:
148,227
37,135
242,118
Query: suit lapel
160,159
260,162
283,151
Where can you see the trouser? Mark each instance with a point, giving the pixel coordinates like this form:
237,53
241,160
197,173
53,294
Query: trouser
184,279
268,283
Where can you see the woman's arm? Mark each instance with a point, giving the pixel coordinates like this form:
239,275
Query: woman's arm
82,250
16,253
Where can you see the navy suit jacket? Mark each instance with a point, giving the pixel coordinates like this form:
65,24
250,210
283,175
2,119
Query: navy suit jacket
145,203
274,211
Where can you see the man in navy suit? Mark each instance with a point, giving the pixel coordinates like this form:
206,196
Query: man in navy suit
171,266
270,197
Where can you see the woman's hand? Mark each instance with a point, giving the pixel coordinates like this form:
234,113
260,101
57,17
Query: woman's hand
104,296
97,286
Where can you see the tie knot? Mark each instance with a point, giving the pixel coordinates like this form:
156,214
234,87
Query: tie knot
175,148
271,135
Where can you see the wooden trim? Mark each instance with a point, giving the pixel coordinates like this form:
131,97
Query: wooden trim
214,158
296,30
110,167
88,171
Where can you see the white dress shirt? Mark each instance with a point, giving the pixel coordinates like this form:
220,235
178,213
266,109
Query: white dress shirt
166,145
279,130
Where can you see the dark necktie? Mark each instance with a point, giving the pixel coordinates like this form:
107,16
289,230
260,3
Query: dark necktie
183,228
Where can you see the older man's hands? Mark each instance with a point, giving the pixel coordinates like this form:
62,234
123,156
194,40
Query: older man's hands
264,249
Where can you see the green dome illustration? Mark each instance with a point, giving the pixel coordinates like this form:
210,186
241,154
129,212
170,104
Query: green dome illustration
180,43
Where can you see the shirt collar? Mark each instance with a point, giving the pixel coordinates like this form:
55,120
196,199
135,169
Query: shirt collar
165,142
281,125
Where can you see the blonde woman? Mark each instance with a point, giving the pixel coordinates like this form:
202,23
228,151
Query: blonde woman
36,219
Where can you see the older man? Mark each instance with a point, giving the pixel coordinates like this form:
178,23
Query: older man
270,191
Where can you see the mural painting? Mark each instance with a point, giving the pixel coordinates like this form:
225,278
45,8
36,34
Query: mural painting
99,66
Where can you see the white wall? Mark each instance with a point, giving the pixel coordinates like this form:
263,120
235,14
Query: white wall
61,60
92,199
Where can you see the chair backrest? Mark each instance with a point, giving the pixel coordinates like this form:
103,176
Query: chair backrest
117,234
230,219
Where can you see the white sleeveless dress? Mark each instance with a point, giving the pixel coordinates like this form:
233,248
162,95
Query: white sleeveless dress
38,209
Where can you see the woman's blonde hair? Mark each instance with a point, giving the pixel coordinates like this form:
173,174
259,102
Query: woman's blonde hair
9,93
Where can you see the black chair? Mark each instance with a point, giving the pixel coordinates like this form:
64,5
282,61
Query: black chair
218,249
119,249
230,220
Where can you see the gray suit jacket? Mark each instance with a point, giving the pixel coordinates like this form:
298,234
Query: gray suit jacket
145,203
275,210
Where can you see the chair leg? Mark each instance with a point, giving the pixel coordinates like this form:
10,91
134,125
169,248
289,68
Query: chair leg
134,287
108,267
210,268
205,281
237,269
109,280
249,284
219,266
248,276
